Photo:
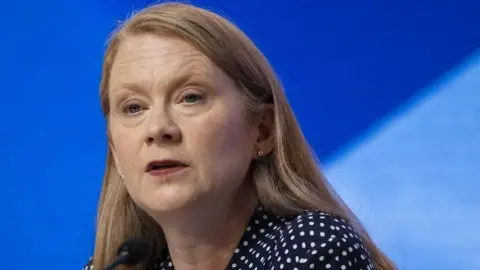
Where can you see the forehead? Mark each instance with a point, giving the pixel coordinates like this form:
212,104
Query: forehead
150,57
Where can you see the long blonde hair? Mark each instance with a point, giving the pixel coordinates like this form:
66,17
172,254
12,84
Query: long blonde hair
287,181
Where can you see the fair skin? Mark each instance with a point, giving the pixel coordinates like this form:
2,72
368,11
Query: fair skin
169,101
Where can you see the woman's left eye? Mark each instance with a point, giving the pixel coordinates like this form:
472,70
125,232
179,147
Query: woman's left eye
192,98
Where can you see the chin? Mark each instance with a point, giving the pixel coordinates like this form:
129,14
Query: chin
164,200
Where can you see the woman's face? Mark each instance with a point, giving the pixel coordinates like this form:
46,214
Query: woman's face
178,125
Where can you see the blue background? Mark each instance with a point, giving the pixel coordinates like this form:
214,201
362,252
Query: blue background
388,94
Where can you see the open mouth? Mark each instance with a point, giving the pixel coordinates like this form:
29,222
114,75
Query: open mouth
164,165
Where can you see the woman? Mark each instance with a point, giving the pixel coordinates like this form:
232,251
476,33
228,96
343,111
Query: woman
206,159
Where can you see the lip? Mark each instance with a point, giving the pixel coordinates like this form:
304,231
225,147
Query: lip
180,166
167,172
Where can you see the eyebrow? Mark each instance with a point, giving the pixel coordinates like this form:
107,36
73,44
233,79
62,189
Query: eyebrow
176,82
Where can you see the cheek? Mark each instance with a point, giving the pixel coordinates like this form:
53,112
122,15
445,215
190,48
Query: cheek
127,143
225,140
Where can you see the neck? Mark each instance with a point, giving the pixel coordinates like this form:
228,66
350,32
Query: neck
206,236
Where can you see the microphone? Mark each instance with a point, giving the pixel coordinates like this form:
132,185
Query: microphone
131,252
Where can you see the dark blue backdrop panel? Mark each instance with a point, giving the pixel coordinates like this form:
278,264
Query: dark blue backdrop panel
353,59
345,65
52,130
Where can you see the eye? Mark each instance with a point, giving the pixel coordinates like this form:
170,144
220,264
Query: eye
132,109
192,98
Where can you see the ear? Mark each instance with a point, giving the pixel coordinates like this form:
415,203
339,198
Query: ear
266,132
115,159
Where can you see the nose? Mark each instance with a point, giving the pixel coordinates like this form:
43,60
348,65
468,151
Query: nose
162,129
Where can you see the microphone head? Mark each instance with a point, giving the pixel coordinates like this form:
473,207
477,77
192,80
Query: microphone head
138,249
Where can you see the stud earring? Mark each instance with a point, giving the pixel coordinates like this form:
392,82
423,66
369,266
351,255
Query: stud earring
260,153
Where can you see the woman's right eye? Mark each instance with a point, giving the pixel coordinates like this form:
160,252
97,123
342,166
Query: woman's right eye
132,109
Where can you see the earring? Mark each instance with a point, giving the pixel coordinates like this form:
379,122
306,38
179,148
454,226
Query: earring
260,153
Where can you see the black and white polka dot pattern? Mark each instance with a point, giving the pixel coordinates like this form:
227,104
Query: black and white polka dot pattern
311,240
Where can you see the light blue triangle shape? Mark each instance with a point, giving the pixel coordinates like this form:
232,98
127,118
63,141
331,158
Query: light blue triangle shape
415,181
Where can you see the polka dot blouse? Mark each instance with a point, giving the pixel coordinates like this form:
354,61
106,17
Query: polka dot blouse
311,240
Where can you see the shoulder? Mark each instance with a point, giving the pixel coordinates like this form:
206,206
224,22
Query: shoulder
89,265
317,240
